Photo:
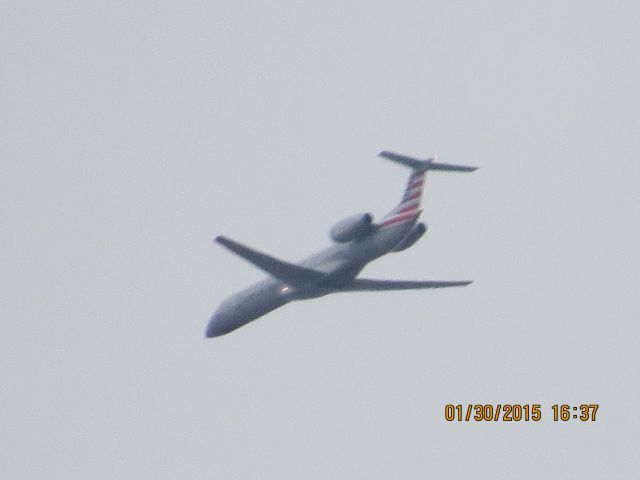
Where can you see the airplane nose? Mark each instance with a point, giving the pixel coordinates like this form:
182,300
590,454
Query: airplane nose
212,329
217,325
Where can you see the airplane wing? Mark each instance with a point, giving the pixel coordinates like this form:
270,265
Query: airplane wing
369,285
289,273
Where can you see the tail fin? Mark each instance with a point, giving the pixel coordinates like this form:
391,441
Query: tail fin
409,207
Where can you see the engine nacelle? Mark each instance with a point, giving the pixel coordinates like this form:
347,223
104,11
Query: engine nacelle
412,237
352,228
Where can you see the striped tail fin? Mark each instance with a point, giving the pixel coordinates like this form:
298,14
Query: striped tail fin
409,207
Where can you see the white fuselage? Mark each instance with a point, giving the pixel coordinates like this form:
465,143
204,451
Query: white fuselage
340,262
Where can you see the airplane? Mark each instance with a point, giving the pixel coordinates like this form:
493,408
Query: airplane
357,241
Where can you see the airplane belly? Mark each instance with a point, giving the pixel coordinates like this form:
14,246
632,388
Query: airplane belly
245,306
389,237
343,262
379,244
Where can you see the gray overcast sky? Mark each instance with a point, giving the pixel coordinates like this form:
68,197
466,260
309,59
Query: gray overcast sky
133,132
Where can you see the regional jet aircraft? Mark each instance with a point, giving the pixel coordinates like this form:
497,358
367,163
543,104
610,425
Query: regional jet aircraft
357,241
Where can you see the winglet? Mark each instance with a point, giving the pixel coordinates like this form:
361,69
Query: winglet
424,165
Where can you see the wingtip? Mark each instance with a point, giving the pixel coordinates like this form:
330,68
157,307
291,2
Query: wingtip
221,239
461,283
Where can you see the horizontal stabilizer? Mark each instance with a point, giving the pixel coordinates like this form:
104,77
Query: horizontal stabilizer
289,273
424,165
369,285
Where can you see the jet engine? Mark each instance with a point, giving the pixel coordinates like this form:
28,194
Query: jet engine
412,237
352,228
